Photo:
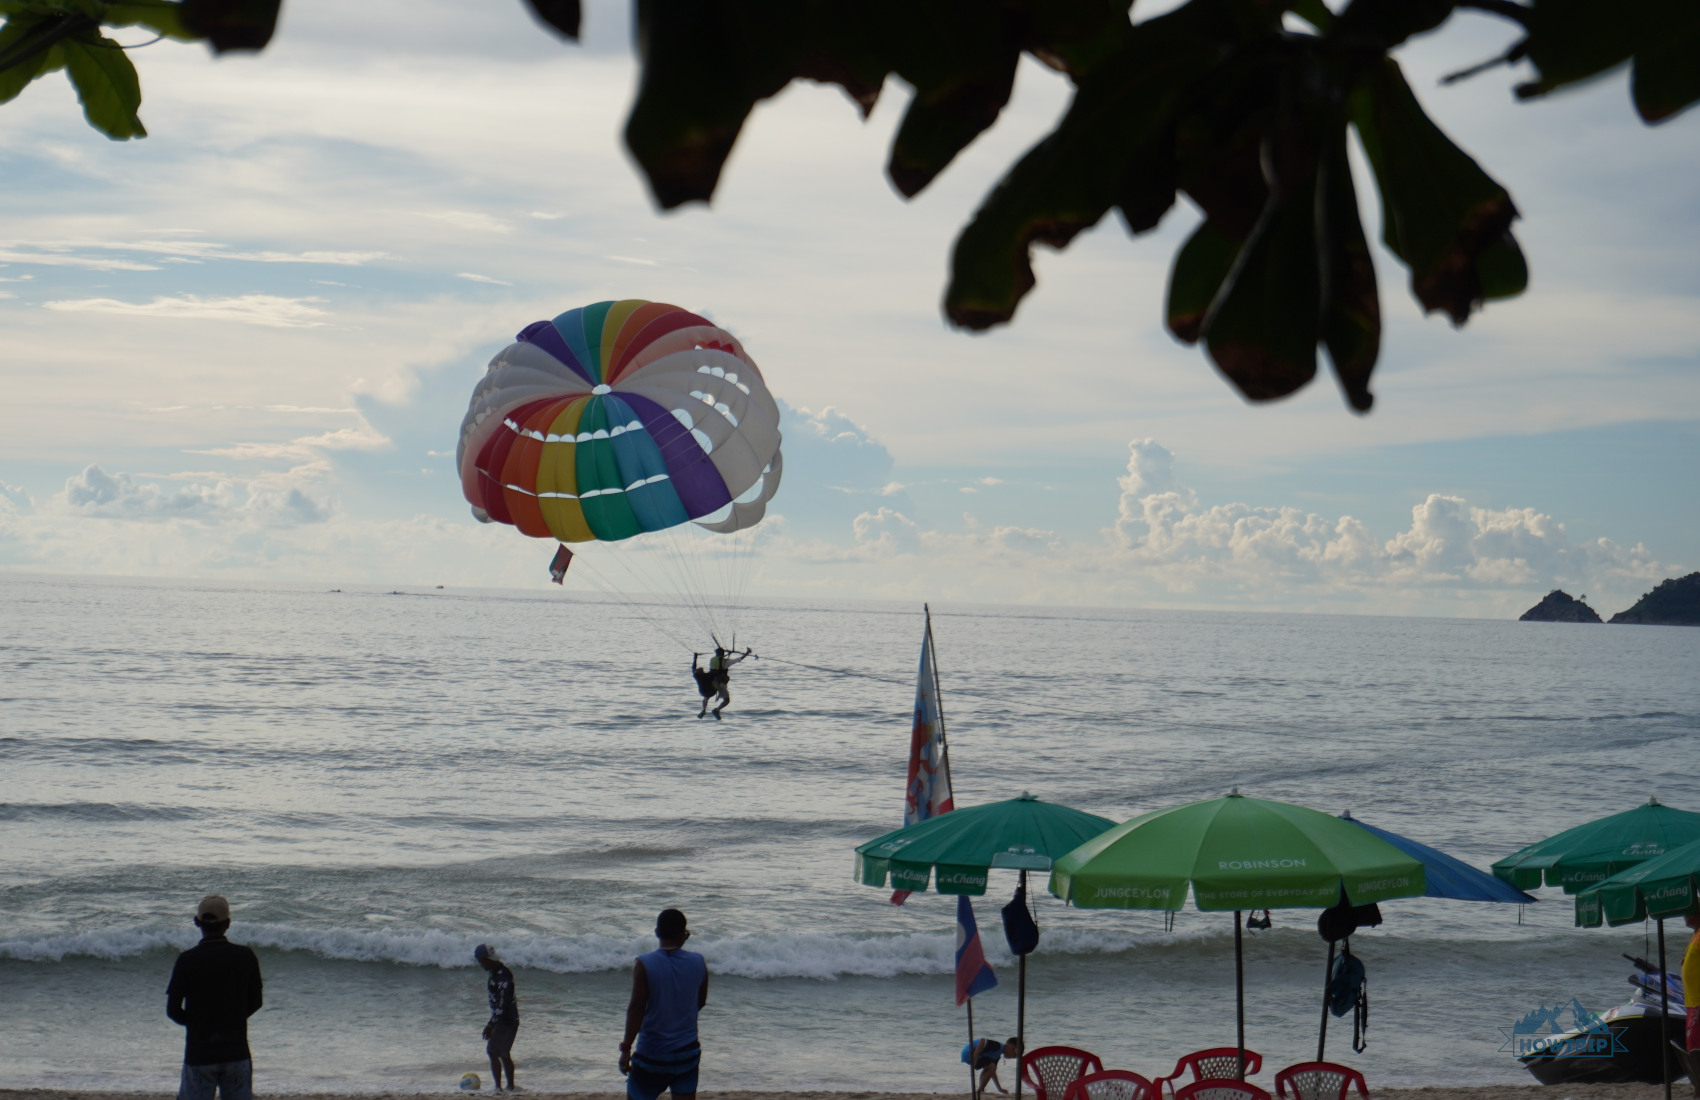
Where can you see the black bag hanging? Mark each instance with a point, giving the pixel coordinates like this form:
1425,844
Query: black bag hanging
1348,991
1019,930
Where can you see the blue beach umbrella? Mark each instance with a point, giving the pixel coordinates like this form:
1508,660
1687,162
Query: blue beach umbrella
1448,877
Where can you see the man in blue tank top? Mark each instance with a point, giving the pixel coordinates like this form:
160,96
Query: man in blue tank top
669,987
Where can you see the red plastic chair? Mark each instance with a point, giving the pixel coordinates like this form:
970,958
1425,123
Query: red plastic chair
1213,1089
1319,1081
1215,1064
1112,1084
1049,1071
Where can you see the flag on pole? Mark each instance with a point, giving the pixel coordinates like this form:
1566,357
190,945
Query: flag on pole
558,567
927,793
973,973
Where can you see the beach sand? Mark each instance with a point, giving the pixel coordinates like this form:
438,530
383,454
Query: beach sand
1479,1092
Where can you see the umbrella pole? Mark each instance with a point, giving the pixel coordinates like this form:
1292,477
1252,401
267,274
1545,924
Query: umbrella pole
1322,1035
1239,991
973,1093
1021,1007
1664,1010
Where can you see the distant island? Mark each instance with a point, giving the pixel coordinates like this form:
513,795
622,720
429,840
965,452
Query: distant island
1672,603
1561,607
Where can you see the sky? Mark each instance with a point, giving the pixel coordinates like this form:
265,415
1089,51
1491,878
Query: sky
240,348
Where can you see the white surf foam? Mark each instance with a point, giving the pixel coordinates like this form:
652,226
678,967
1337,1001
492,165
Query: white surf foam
823,956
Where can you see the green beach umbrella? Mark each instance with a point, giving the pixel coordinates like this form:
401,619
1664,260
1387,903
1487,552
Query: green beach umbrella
1235,853
957,851
1664,886
1590,853
1594,853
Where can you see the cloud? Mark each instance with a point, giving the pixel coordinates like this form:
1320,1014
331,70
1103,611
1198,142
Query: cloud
1450,546
471,219
472,278
15,498
269,501
885,533
835,449
267,310
66,259
15,278
361,437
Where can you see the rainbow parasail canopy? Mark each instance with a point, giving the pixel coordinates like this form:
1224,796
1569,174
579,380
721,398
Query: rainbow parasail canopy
616,419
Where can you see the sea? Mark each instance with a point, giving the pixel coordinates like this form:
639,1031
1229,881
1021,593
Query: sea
379,780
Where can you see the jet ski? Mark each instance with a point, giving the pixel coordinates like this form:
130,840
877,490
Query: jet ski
1620,1044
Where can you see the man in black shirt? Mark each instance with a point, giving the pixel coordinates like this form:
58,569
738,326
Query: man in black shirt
215,987
504,1014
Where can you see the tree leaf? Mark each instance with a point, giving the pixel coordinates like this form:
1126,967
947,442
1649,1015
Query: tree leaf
1503,271
962,66
107,84
562,15
1351,303
232,24
1262,329
16,78
160,16
1666,80
707,62
1440,211
1070,179
1201,265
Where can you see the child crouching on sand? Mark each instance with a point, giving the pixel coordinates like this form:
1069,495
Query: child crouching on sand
984,1054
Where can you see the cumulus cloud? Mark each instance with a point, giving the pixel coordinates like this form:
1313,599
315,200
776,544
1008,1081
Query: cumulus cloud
1166,546
15,498
834,449
268,310
1450,545
269,501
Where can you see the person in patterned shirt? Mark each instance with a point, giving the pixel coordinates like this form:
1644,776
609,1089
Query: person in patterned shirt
504,1014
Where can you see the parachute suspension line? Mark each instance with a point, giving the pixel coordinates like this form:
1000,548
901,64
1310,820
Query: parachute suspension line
609,589
655,569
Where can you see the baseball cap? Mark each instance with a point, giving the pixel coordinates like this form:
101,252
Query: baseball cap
484,951
213,907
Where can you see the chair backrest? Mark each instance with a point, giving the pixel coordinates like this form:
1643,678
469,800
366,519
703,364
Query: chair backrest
1214,1064
1215,1089
1051,1070
1112,1084
1319,1081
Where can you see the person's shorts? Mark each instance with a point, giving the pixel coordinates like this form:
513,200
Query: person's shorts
501,1041
650,1077
1694,1029
230,1080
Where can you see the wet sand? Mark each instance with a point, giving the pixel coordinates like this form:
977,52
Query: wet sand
1530,1091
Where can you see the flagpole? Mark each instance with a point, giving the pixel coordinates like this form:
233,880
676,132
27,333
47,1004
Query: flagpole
938,699
1021,1002
973,1092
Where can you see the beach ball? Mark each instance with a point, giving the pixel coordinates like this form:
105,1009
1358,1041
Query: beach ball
470,1082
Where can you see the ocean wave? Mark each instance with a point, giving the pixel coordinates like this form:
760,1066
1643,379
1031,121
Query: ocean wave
762,956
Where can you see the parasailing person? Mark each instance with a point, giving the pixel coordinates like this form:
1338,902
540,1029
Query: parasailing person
717,679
